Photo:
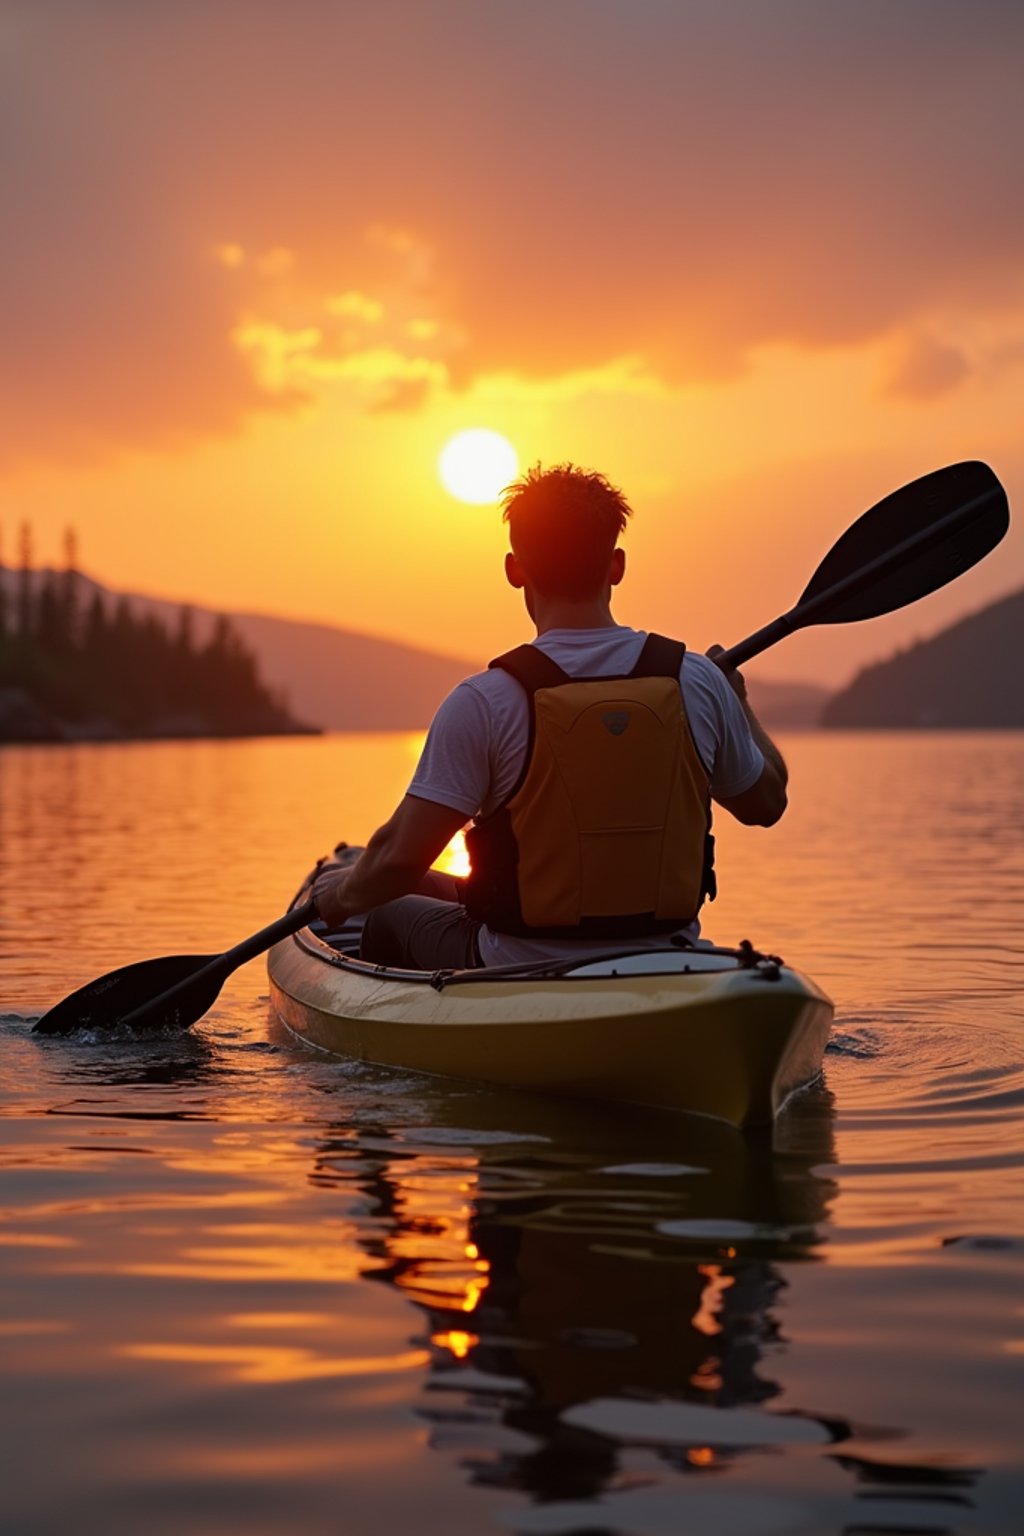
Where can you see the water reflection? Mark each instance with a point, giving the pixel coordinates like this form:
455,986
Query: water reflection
604,1305
573,1267
601,1299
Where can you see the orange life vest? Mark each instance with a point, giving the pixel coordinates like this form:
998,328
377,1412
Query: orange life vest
607,832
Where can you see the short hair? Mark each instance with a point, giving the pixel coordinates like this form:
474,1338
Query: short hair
563,525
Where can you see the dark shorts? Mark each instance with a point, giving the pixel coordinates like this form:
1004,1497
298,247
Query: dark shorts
425,932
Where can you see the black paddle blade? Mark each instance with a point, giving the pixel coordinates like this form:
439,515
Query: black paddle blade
908,516
110,999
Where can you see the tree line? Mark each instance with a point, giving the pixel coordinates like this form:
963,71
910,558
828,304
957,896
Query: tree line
102,668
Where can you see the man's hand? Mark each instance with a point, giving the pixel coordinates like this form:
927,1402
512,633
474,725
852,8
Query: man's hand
735,679
392,864
765,801
329,895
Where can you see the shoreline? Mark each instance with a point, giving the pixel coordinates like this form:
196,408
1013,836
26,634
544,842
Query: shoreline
24,722
122,738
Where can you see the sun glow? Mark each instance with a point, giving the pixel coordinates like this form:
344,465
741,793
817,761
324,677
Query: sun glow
454,858
476,465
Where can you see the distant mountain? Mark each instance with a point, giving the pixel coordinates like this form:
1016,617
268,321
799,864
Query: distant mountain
965,677
787,706
348,681
342,680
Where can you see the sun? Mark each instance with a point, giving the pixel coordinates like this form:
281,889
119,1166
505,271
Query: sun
476,465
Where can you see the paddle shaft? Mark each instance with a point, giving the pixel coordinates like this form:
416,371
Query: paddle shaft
809,612
221,966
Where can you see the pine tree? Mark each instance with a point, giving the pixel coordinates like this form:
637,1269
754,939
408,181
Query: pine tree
94,636
48,627
25,604
69,586
3,598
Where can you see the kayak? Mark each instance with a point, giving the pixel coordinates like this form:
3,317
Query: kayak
727,1033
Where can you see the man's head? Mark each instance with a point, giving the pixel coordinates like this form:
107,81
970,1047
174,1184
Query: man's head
564,524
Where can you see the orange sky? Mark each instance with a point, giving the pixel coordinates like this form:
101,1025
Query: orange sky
760,264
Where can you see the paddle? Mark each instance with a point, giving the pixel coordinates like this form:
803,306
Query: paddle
913,542
174,991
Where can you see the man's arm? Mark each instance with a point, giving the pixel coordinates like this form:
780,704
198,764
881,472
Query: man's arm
393,863
764,802
447,790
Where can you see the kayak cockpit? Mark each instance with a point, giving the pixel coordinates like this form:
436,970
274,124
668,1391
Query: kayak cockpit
724,1032
342,945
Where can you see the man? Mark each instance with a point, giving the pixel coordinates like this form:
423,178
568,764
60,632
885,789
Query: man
587,761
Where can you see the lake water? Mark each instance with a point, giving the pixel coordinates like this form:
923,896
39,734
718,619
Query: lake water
251,1289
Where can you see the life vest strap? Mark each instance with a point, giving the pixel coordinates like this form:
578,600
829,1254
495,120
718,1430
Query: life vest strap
532,668
660,657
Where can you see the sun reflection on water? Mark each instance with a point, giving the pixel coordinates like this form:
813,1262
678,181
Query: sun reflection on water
266,1363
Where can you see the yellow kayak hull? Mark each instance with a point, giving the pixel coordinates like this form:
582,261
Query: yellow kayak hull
717,1039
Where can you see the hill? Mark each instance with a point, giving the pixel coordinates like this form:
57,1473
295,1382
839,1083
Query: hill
341,679
965,677
350,681
786,706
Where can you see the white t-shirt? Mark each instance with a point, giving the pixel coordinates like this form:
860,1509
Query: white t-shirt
476,746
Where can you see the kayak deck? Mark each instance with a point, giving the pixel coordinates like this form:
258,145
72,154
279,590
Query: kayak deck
715,1033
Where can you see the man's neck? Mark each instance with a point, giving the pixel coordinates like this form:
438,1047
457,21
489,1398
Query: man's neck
555,613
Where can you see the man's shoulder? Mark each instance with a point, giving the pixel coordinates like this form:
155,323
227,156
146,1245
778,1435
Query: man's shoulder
701,669
483,696
710,702
490,684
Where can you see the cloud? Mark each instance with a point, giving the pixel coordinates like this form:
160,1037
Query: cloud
282,361
525,190
619,376
358,306
402,395
289,362
924,368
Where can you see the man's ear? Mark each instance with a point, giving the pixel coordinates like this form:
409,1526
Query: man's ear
617,568
514,572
